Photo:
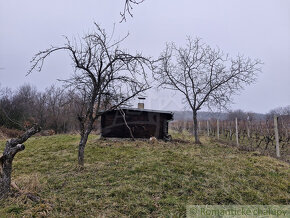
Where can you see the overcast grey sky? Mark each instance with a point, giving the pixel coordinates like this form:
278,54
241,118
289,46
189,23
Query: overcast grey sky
255,28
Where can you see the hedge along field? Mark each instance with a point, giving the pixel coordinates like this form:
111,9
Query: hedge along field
127,178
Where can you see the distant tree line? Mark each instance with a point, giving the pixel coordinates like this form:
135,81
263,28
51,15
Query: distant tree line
54,108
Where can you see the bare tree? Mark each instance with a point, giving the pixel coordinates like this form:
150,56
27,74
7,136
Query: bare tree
280,111
13,146
240,114
55,102
204,75
105,76
128,6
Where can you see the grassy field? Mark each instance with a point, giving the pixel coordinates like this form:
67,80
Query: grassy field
125,178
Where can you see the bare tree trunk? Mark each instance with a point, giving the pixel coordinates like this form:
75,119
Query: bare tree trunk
85,130
195,127
82,145
13,146
5,179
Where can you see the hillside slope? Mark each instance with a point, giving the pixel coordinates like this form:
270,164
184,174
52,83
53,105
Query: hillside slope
137,178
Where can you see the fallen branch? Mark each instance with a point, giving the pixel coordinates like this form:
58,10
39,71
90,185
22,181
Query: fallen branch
29,195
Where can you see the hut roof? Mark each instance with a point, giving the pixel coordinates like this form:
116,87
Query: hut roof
170,113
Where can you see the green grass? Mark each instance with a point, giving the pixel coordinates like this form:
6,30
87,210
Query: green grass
125,178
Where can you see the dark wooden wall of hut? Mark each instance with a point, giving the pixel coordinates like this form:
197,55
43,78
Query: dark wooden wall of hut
143,124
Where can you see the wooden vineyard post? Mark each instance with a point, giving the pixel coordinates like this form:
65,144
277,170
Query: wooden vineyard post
276,136
199,130
207,126
218,129
248,127
237,132
230,126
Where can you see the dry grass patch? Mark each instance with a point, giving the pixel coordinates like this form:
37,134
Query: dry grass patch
136,178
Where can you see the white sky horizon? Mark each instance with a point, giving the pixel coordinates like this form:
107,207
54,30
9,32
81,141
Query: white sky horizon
258,29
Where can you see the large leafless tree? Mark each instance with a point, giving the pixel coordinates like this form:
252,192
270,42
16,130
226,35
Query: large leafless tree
105,76
204,75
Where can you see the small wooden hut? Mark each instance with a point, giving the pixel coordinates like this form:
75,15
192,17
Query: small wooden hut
141,123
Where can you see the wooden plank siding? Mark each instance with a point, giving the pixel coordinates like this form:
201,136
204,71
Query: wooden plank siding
143,124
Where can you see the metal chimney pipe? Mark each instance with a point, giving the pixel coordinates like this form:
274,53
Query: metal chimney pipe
141,103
